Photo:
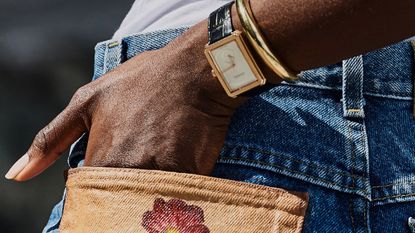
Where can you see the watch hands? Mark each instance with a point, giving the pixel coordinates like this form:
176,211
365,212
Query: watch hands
230,67
231,61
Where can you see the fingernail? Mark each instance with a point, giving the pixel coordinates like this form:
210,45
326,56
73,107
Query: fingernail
17,167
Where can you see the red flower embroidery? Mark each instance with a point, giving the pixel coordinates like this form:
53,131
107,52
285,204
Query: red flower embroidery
174,216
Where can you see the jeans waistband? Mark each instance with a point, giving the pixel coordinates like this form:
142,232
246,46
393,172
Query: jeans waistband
110,53
388,72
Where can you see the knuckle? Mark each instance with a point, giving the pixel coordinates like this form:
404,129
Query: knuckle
85,94
40,143
81,100
82,95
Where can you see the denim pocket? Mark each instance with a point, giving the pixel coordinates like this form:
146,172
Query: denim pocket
133,200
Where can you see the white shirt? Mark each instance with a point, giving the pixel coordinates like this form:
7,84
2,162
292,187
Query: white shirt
151,15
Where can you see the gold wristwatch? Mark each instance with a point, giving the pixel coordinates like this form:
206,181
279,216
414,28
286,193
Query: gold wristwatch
227,52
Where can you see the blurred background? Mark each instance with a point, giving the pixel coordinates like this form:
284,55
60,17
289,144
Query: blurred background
46,53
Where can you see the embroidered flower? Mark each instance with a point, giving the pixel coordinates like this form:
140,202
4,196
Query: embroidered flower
174,216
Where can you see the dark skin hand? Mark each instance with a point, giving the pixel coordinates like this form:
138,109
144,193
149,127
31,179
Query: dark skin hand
163,110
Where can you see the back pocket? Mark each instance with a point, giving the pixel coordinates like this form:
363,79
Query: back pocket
134,200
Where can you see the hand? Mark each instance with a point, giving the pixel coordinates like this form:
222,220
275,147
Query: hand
160,110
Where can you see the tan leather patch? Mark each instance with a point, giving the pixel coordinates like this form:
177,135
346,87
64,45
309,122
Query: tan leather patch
133,200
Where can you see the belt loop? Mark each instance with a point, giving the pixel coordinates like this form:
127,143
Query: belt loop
353,101
113,55
413,78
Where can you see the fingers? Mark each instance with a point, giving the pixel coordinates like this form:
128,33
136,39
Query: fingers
53,140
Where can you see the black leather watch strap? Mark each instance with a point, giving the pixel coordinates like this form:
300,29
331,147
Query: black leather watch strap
220,23
220,26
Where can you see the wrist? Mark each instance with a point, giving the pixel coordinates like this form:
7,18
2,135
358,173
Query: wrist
268,73
188,52
189,48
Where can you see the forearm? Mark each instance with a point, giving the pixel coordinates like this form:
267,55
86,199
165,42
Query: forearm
311,33
174,114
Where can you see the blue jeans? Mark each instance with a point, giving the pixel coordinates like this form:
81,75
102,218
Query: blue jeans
344,134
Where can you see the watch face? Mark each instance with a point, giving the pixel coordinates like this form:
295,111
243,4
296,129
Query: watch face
233,66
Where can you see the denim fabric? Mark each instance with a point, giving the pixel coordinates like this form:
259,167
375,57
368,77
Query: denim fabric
344,133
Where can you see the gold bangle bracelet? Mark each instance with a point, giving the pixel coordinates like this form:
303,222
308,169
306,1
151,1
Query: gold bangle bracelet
257,41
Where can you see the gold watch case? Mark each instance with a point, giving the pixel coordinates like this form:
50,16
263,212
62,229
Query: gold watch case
233,64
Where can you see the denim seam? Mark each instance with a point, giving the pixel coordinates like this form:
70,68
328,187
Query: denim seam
104,60
381,193
393,184
365,217
349,134
294,171
310,85
397,97
105,69
393,196
315,86
351,211
361,140
322,87
365,144
297,161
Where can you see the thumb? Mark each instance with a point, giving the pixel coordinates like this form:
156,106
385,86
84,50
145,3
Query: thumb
51,142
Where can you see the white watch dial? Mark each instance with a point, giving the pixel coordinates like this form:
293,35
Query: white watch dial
233,66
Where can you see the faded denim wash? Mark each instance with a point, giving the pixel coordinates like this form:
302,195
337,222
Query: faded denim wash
344,133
